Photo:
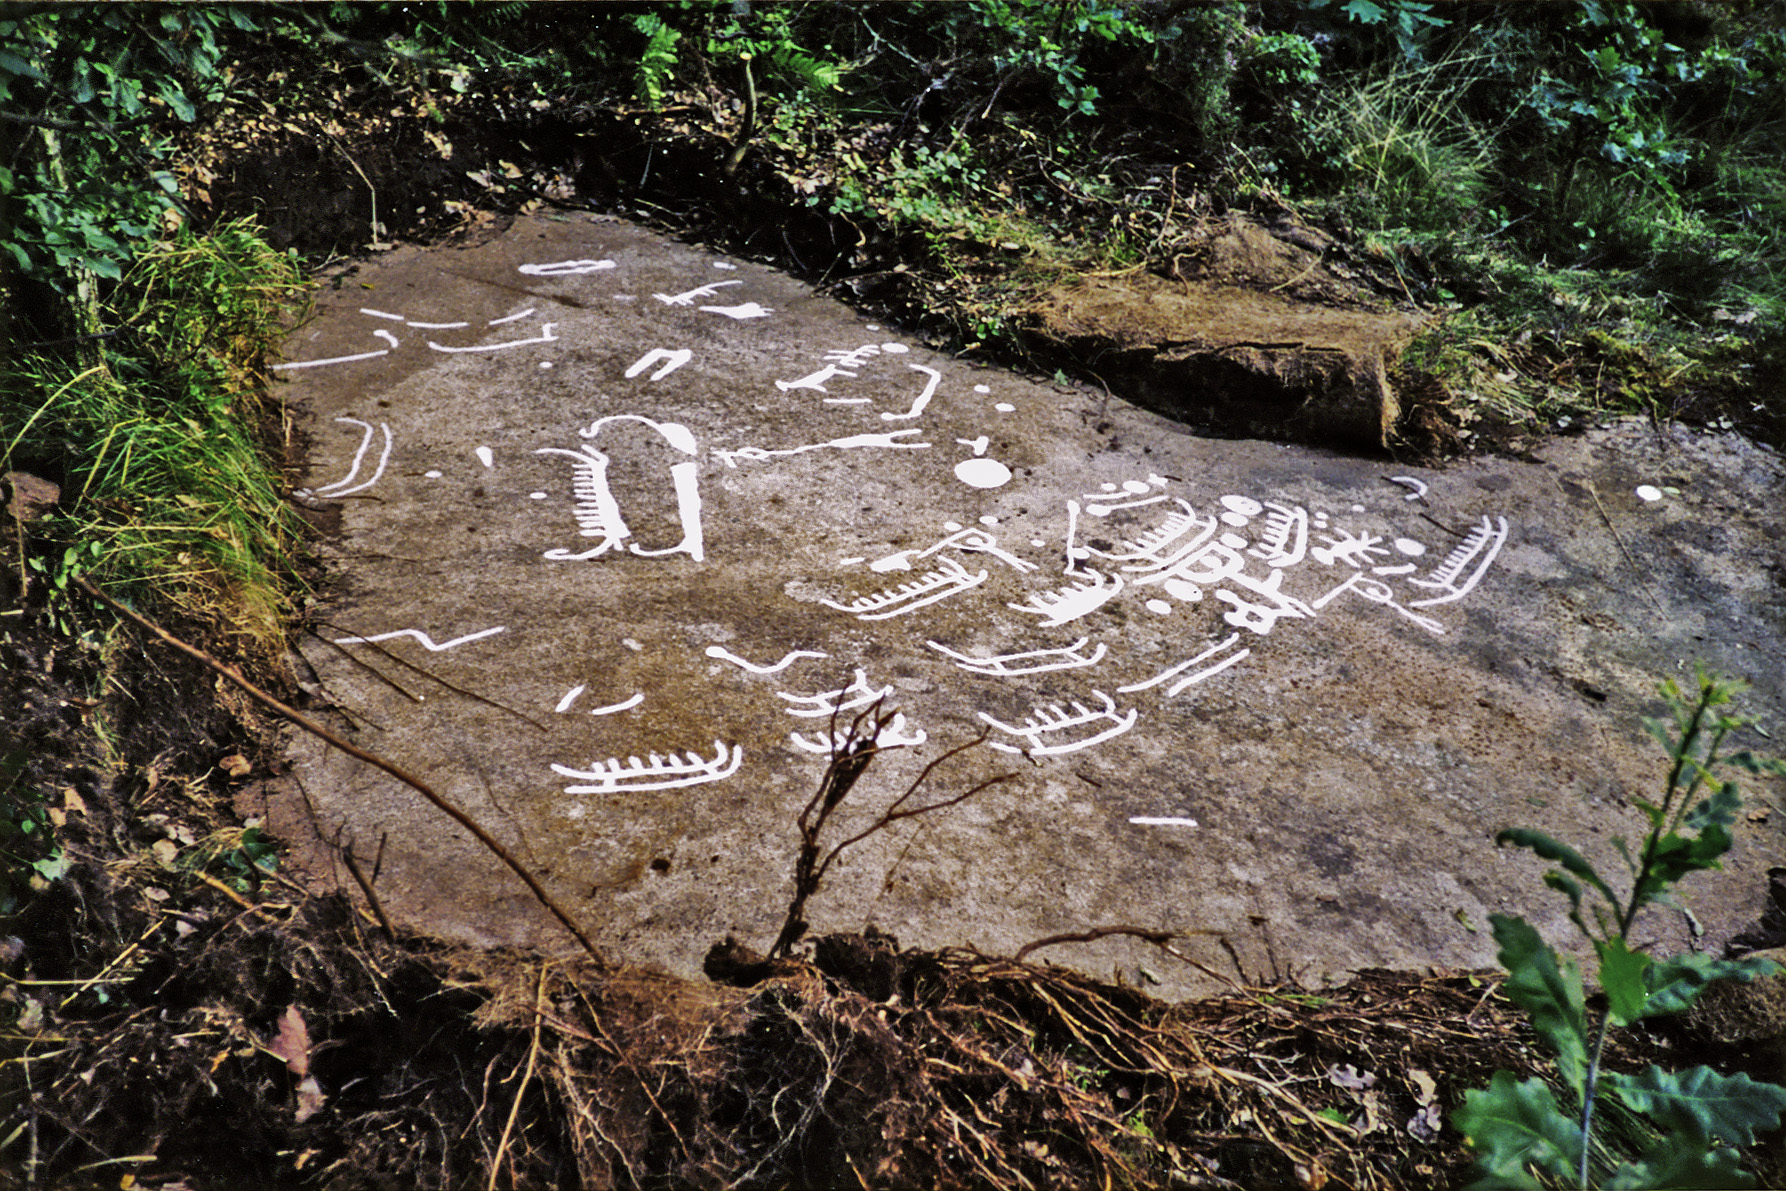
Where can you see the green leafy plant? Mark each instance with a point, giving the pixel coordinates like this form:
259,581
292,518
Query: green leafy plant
161,439
30,856
1523,1136
91,92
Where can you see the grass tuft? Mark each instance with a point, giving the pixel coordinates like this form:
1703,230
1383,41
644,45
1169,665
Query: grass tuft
160,440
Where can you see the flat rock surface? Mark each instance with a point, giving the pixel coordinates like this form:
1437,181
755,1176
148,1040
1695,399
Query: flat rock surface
618,522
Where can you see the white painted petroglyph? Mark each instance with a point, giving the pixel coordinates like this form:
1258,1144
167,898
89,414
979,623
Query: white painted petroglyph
564,268
1174,671
424,638
978,541
342,486
839,362
389,338
598,512
741,312
1285,539
982,473
852,442
672,360
1480,547
1208,672
1378,592
486,456
384,314
1004,407
972,540
923,399
859,692
383,351
433,327
949,578
1052,720
1010,665
1133,494
1241,509
700,291
1161,821
1158,548
893,736
815,380
659,773
1102,509
1417,488
511,318
1078,598
1261,615
616,708
433,473
545,336
1648,493
724,265
725,655
570,697
1353,549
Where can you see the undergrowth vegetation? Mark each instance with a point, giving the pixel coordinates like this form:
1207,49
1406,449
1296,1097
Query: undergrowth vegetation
1572,193
164,441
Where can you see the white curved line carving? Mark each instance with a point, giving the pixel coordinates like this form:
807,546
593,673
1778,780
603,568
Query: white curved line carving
424,638
383,351
725,655
659,773
1049,720
545,336
1000,667
1072,602
336,489
946,580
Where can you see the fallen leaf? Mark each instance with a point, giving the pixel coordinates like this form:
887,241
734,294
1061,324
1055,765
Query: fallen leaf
1350,1077
1425,1123
293,1042
310,1099
165,852
236,765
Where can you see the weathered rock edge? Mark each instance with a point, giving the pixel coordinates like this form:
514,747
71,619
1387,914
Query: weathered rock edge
1235,360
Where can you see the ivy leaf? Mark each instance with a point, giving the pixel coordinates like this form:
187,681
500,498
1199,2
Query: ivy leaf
1550,994
1701,1103
1514,1127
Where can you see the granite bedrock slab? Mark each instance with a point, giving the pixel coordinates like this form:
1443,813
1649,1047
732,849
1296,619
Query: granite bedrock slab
616,522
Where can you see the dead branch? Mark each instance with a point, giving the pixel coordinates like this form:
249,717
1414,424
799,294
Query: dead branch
458,816
850,757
